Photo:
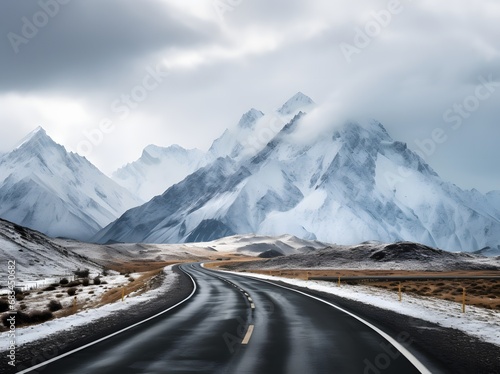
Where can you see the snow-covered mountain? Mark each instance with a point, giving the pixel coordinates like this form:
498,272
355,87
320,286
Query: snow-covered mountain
262,246
159,168
255,129
375,255
298,102
46,188
347,184
37,256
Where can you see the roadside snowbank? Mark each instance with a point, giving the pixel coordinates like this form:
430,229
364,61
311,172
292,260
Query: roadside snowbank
32,333
478,322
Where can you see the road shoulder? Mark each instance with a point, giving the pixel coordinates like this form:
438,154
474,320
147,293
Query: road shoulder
441,349
33,353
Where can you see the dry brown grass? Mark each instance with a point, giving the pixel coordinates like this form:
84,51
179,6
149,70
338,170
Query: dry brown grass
228,260
139,266
147,271
483,293
140,285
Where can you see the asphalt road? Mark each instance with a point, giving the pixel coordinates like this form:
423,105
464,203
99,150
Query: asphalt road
233,324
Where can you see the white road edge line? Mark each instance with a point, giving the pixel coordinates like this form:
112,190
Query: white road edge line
410,357
115,333
248,335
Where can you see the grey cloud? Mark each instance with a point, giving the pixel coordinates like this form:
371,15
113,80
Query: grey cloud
91,43
422,63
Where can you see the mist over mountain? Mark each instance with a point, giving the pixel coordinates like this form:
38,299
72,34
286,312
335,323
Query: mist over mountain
299,170
159,168
340,182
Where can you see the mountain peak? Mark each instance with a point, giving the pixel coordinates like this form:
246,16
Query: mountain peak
296,102
37,136
248,119
158,152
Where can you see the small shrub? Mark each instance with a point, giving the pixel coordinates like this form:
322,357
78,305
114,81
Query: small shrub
4,305
39,292
82,273
86,281
54,306
104,282
64,281
59,295
40,316
130,279
73,284
54,284
19,318
20,296
97,281
71,291
91,292
50,288
23,318
23,306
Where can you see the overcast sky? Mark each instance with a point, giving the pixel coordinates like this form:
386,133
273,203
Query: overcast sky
177,71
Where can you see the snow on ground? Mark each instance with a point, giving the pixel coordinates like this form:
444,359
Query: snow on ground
252,244
139,251
32,333
86,296
478,322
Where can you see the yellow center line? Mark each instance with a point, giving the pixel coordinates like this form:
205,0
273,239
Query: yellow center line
248,335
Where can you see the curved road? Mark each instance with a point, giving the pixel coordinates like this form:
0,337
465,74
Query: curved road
234,324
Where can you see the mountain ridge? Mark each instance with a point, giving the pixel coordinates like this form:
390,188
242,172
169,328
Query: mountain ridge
345,187
40,179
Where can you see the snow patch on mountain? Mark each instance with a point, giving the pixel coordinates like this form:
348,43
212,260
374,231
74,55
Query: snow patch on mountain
349,184
36,256
297,102
375,255
253,245
249,119
44,187
159,168
255,129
